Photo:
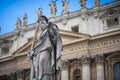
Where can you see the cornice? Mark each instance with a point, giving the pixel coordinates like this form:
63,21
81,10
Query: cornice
103,35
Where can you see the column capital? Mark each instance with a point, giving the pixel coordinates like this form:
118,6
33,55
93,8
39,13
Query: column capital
11,76
20,74
65,64
99,59
85,60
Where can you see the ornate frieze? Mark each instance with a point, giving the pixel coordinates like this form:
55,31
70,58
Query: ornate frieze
93,45
75,48
105,43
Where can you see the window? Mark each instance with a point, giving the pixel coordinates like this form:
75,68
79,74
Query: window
5,50
117,71
77,77
76,74
113,22
75,29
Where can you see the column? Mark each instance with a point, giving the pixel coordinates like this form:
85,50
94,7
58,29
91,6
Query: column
65,72
85,68
99,59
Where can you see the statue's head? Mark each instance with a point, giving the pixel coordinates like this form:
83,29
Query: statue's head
43,20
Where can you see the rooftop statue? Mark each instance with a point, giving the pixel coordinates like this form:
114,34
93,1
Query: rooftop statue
53,8
25,20
83,3
65,4
18,23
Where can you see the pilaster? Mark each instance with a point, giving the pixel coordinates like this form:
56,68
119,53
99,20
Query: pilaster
99,59
65,70
86,68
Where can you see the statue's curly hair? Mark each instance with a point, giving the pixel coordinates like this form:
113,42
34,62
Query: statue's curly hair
46,19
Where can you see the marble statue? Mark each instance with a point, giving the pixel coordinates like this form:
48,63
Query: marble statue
47,44
53,8
18,23
25,20
65,4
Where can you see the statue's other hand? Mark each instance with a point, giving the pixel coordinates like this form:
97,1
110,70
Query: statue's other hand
30,54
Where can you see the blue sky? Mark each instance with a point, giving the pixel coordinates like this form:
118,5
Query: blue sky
11,9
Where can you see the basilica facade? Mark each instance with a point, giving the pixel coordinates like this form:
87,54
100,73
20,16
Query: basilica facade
90,39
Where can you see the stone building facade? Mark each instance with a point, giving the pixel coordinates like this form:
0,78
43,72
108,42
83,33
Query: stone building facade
91,45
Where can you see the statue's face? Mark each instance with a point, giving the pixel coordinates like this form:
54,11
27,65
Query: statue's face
42,21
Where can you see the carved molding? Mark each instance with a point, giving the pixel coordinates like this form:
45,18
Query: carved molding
105,43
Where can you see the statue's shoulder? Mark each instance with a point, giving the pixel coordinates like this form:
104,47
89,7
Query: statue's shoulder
54,26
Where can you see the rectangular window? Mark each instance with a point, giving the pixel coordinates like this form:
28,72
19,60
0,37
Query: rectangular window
112,22
75,29
5,50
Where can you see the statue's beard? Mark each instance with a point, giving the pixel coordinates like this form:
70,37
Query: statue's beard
43,24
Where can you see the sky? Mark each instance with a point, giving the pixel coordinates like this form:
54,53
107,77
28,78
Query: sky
11,9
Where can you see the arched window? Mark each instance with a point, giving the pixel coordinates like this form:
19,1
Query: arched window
76,75
117,71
